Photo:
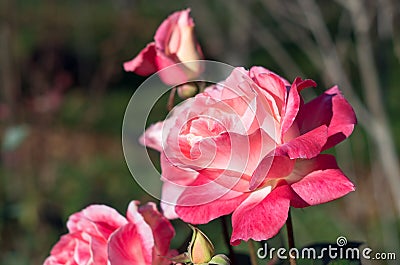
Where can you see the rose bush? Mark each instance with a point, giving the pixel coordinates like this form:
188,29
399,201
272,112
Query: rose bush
252,147
174,42
100,235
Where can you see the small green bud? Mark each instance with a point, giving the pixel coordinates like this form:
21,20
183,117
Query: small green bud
187,90
200,248
220,259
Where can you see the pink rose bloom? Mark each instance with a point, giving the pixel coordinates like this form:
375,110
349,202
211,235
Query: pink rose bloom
252,147
174,42
100,235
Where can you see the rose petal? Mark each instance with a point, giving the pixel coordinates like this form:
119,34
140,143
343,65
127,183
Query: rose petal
172,70
261,215
152,137
271,167
162,36
252,149
293,103
307,145
326,183
225,202
211,185
162,230
63,251
82,254
130,245
331,109
98,250
291,108
170,194
99,220
144,63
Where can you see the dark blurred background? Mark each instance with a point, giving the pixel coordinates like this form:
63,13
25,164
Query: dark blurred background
63,93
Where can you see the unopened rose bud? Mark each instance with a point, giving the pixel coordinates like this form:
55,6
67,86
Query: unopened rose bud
220,259
200,248
175,43
187,90
187,49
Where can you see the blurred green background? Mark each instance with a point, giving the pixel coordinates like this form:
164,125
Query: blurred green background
64,92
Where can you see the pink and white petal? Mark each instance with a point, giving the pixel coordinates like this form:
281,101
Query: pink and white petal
163,33
291,108
212,91
343,119
261,215
195,205
252,150
106,219
63,251
292,105
144,63
271,167
228,180
98,251
258,71
65,245
77,223
170,194
162,230
133,215
331,109
323,186
175,180
304,167
127,246
153,136
259,104
184,19
240,113
211,185
235,85
97,220
53,260
297,202
175,174
269,102
308,145
202,214
82,253
171,73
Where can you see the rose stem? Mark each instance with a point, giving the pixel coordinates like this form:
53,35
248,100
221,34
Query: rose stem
252,250
171,98
232,256
289,228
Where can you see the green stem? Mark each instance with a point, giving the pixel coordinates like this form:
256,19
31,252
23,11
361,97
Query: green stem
225,231
171,99
252,250
289,229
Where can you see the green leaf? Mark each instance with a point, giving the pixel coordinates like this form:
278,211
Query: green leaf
181,258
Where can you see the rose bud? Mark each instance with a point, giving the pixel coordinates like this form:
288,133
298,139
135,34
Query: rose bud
200,248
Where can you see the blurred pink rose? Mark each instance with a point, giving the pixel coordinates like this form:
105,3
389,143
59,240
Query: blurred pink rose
174,42
251,146
100,235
